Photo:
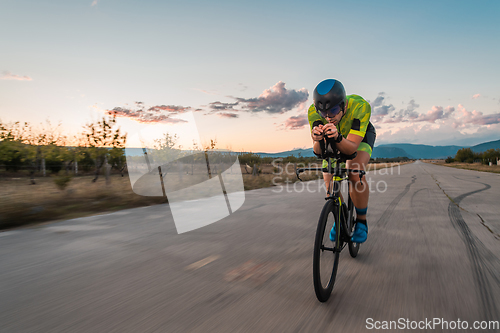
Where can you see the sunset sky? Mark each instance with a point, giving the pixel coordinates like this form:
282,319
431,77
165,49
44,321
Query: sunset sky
246,70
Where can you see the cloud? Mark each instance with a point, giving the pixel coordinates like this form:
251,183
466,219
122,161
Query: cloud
476,96
436,134
379,108
296,122
379,100
468,118
276,99
438,125
219,106
383,113
208,92
383,110
154,114
227,115
436,113
410,115
169,108
93,3
9,76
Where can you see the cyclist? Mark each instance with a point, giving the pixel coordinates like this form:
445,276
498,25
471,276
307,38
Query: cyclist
345,120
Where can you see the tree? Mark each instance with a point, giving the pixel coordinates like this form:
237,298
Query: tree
104,141
25,145
45,147
249,160
491,155
465,155
12,148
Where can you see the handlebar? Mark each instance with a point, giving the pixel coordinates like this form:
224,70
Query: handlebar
299,170
329,150
360,172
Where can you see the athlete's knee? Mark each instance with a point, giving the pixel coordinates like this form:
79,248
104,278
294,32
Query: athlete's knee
355,179
359,185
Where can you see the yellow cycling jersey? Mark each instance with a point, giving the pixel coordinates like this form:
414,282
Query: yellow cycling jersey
355,120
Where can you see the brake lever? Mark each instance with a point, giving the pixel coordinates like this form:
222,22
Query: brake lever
297,172
361,174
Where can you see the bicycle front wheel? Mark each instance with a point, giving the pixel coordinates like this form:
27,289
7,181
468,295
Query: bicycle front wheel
326,252
353,247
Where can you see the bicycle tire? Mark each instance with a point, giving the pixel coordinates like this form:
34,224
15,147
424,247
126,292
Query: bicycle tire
323,276
353,247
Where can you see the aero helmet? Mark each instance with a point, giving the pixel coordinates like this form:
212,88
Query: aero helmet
329,97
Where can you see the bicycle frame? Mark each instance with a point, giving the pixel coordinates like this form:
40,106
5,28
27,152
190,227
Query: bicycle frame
339,175
343,226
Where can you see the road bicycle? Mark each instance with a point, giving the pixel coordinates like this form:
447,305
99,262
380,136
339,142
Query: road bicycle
327,252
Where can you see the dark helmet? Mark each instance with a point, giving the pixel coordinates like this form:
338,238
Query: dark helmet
329,97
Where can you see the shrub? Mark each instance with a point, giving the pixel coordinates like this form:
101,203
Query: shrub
62,181
54,166
449,159
464,154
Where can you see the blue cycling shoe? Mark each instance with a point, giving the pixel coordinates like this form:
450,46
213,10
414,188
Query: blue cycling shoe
333,234
360,232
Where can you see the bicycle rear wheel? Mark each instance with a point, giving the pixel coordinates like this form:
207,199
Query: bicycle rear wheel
326,252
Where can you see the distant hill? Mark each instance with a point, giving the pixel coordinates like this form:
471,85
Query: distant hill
417,151
485,146
409,150
389,152
426,151
303,152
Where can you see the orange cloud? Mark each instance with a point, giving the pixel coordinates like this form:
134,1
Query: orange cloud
9,76
296,122
276,99
154,114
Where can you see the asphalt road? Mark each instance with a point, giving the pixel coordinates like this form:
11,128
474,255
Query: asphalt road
433,251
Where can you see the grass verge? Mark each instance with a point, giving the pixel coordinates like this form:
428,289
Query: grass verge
23,204
468,166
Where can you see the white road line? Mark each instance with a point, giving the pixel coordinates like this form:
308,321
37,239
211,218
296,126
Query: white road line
202,262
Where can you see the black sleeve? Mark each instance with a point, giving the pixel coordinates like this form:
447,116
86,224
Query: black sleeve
317,123
356,125
322,142
322,146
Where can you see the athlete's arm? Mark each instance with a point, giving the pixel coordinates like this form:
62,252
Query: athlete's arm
361,113
348,145
317,135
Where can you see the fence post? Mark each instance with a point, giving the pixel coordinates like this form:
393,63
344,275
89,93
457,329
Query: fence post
107,169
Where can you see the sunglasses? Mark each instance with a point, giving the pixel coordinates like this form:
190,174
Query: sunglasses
331,112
